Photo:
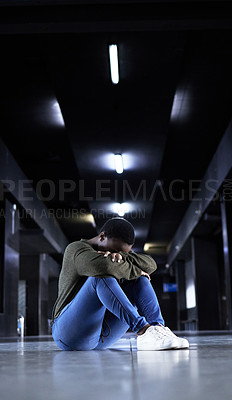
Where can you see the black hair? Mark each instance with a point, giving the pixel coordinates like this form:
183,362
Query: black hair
119,228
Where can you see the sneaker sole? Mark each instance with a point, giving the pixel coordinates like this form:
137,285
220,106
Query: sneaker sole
182,347
148,347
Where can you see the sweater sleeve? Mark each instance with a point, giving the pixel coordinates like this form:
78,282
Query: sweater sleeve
142,261
88,262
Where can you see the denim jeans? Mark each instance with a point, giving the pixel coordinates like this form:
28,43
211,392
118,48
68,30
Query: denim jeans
103,310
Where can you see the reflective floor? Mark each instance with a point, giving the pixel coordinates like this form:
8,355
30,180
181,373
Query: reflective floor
36,369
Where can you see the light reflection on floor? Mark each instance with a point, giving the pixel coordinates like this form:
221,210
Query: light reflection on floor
36,369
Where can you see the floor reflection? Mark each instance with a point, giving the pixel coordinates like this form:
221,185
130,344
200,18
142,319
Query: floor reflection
103,374
40,370
161,363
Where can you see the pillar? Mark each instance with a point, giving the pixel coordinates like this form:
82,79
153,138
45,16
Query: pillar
205,259
34,270
9,269
226,215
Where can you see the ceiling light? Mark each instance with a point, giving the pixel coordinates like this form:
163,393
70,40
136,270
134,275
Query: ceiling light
146,247
182,105
190,295
90,219
113,52
155,248
118,163
57,114
121,209
86,218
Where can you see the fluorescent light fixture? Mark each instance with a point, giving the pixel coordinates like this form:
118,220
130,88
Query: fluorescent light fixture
113,52
190,295
57,114
182,105
86,218
121,209
146,247
190,284
118,163
155,248
90,219
132,160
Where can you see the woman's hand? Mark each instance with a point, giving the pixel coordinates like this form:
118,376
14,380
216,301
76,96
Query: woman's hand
145,274
115,256
118,258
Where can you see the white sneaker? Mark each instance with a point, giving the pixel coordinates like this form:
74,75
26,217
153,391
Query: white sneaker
182,342
156,338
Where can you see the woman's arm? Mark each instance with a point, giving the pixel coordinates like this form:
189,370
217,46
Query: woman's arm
88,262
142,261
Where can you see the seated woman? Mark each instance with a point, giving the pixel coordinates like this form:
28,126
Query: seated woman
104,290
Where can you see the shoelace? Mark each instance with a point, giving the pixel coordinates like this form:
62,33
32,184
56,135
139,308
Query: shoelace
102,330
169,331
159,331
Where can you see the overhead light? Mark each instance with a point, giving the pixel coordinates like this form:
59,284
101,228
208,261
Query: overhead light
118,163
155,248
86,218
90,218
113,52
182,105
57,114
190,294
121,209
146,247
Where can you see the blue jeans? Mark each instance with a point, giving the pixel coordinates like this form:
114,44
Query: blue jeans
103,310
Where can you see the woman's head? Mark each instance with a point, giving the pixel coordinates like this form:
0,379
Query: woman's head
117,234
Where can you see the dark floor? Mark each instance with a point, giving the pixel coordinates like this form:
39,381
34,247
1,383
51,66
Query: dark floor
34,368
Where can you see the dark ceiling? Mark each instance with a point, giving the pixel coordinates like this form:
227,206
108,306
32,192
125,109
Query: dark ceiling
166,116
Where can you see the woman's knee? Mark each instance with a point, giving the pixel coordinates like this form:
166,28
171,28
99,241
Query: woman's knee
109,280
143,279
142,282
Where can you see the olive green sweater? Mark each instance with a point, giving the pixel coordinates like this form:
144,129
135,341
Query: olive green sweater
81,261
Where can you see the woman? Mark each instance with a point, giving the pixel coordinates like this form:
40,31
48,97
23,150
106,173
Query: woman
104,290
